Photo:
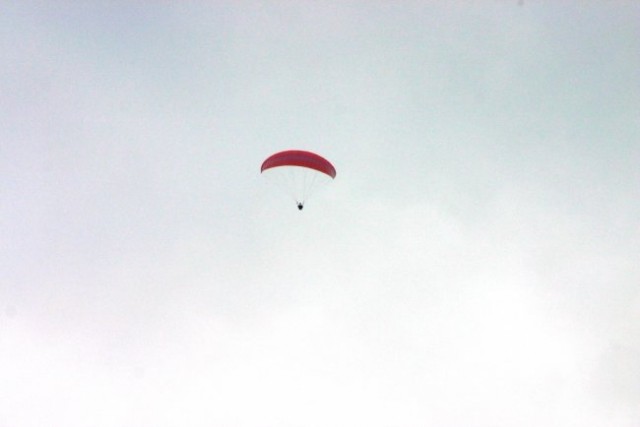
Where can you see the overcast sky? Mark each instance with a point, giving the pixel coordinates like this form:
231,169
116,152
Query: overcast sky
476,262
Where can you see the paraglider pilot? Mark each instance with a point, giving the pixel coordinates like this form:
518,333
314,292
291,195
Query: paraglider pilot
300,206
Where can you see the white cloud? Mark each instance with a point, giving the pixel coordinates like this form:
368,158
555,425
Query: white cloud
474,262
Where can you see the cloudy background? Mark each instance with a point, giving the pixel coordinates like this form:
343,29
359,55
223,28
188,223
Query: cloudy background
475,262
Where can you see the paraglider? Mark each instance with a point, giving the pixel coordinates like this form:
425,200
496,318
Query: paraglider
299,173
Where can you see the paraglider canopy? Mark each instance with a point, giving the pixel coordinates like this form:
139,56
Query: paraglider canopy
300,158
299,173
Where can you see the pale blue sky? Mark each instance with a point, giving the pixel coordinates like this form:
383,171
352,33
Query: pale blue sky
475,262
